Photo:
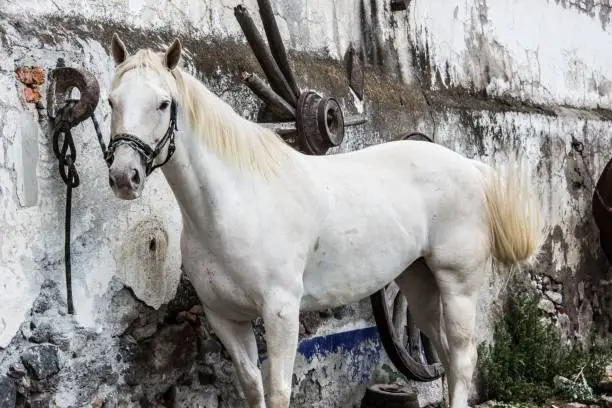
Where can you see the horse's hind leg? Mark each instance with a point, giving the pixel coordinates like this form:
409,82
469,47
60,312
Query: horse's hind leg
419,286
239,340
458,291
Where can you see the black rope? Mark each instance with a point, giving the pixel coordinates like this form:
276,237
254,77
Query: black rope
65,151
99,134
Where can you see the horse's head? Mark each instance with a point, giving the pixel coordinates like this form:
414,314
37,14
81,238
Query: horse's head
143,120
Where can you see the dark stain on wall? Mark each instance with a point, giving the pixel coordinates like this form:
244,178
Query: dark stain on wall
601,9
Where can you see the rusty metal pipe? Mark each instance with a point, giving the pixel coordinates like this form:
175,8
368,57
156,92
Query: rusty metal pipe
355,120
276,43
262,53
277,105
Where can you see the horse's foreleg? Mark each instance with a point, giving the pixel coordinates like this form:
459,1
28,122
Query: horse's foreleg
459,313
281,320
239,340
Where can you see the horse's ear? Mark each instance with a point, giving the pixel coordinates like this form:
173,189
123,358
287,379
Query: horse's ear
118,50
173,55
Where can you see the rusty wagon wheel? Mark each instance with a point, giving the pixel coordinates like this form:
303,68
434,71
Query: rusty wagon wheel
602,209
409,350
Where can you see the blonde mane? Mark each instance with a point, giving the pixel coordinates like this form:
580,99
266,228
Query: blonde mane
228,135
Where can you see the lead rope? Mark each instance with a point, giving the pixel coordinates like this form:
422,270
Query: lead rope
99,134
65,151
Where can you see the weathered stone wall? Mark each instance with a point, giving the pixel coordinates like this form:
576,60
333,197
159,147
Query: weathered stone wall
482,77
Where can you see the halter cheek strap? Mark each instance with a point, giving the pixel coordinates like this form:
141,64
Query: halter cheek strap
149,154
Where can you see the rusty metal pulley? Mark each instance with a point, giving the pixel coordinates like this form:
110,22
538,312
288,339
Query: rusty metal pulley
309,122
62,80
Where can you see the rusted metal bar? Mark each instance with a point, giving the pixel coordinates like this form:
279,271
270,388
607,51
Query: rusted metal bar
290,127
355,120
262,53
276,43
277,105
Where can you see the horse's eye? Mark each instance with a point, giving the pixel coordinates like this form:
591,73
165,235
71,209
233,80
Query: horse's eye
163,105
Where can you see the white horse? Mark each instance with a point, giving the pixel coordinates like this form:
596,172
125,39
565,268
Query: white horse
268,231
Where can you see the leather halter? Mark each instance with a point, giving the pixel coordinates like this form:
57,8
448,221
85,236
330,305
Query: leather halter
148,153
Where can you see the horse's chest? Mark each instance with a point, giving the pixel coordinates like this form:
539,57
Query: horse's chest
218,287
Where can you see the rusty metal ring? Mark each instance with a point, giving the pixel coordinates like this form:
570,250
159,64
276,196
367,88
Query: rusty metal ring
578,146
415,136
307,125
62,81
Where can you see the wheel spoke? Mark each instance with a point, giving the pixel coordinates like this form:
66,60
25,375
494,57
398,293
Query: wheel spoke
391,292
414,341
431,355
400,317
388,315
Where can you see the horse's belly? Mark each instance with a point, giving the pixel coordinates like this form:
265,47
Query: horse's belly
322,291
347,267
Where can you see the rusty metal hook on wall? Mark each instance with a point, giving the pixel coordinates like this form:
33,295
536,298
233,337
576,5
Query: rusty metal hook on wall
62,81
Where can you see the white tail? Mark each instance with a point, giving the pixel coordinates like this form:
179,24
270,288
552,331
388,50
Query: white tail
513,210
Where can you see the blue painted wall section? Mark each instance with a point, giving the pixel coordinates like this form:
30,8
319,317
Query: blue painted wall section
360,350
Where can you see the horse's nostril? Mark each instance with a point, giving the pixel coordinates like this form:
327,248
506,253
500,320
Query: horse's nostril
111,181
135,177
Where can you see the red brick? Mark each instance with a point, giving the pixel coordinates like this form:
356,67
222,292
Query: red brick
31,95
31,75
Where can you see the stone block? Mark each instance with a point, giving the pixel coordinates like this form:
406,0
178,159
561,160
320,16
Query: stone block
547,306
8,392
41,361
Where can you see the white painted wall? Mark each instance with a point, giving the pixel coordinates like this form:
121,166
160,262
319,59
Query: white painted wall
541,51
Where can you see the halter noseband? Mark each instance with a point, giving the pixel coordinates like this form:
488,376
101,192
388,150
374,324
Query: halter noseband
144,149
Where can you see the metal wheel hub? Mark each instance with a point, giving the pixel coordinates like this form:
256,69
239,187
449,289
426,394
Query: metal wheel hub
321,122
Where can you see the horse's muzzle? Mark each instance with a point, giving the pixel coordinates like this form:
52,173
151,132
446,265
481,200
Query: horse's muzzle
127,174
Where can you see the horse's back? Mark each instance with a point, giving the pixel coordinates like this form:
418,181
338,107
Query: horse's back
387,205
430,168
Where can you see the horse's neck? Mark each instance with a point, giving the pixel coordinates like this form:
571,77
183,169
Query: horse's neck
203,183
197,178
